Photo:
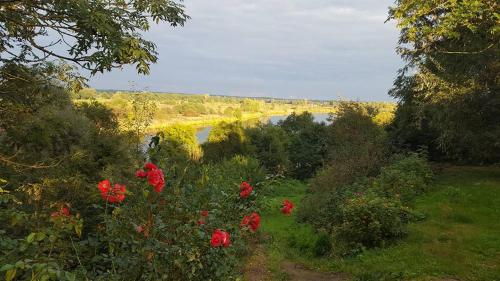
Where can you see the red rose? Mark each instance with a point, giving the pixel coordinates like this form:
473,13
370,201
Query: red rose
245,189
154,176
63,212
104,186
287,207
220,238
204,213
150,167
156,179
252,222
141,174
112,195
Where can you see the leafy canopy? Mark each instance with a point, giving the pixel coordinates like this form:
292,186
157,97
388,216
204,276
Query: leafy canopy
97,35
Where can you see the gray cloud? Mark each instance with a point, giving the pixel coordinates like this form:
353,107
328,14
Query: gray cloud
282,48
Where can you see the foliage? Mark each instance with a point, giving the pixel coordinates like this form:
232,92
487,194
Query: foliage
236,169
151,235
177,143
370,221
362,212
459,239
307,145
357,148
98,35
191,109
356,141
53,149
448,91
140,116
270,145
225,141
405,178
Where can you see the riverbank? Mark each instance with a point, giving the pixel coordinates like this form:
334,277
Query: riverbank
212,120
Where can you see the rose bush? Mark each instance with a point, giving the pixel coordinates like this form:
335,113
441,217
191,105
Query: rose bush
151,230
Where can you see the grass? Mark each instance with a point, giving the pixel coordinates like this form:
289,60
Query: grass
460,237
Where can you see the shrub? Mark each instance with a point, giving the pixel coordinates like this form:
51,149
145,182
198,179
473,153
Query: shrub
150,233
370,221
357,148
322,207
237,169
406,178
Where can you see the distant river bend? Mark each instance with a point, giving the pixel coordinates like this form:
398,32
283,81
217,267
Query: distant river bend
203,132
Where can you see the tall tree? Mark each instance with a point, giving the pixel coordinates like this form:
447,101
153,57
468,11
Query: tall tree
449,89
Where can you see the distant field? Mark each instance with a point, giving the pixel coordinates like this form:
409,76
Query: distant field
203,110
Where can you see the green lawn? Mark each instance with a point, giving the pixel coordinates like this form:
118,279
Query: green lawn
460,237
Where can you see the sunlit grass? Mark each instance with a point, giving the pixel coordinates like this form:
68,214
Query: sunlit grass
459,238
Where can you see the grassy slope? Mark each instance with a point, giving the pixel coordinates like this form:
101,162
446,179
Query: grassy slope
460,238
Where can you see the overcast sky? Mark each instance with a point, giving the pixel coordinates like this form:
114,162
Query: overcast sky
315,49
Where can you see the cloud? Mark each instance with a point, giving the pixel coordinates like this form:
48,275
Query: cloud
282,48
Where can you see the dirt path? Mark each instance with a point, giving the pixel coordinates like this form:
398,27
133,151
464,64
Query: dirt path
256,270
297,272
256,267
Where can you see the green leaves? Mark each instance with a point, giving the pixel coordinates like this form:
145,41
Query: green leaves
452,52
102,35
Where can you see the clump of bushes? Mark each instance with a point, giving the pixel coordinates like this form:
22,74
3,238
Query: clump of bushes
405,178
361,197
368,220
367,213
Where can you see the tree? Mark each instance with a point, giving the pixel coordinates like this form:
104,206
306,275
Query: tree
270,144
141,115
449,88
307,145
97,35
226,140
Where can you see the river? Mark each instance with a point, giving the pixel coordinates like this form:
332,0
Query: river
203,132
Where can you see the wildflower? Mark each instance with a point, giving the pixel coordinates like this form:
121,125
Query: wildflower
220,238
204,213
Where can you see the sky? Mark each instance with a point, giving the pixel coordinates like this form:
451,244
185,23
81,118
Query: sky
314,49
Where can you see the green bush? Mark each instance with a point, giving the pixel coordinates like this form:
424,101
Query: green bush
234,170
406,178
357,148
370,221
